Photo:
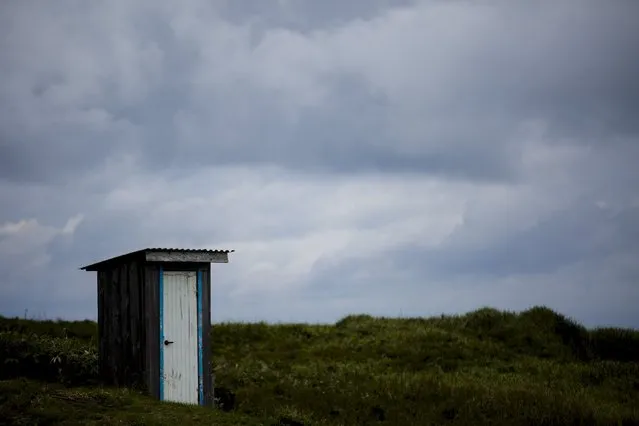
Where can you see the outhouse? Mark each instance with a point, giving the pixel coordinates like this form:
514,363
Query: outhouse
154,319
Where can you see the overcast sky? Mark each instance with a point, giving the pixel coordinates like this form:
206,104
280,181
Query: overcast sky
362,156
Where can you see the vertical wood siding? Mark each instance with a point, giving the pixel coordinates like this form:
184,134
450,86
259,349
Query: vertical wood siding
152,323
206,333
121,325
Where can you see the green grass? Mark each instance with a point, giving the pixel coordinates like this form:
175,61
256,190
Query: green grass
24,402
486,367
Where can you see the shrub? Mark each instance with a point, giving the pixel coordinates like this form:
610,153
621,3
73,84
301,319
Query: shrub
70,361
615,344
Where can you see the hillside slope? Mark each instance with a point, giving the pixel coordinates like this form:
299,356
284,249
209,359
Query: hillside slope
486,367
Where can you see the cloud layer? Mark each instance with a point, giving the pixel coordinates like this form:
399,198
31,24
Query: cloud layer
407,157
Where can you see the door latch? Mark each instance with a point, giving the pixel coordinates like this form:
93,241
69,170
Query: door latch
167,342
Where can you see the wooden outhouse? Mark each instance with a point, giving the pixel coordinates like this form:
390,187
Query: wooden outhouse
154,319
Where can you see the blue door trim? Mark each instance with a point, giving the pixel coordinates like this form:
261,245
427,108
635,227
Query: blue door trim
161,297
200,345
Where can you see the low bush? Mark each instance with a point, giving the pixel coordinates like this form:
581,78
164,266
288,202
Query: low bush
65,360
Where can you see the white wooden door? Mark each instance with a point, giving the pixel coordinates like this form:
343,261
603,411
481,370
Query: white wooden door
179,346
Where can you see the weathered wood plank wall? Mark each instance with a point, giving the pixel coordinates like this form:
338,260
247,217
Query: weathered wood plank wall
206,335
121,325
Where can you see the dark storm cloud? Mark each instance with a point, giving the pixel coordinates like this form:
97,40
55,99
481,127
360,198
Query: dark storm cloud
306,16
57,153
571,67
581,233
348,133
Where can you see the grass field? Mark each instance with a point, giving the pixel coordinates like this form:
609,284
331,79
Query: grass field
486,367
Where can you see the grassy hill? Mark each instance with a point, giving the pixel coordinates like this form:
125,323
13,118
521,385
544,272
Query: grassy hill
486,367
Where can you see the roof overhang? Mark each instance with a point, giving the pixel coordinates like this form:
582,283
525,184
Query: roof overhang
166,255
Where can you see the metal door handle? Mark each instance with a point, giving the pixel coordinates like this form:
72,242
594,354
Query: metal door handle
167,342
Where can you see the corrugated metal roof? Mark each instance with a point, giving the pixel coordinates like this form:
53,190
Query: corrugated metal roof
156,250
182,250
